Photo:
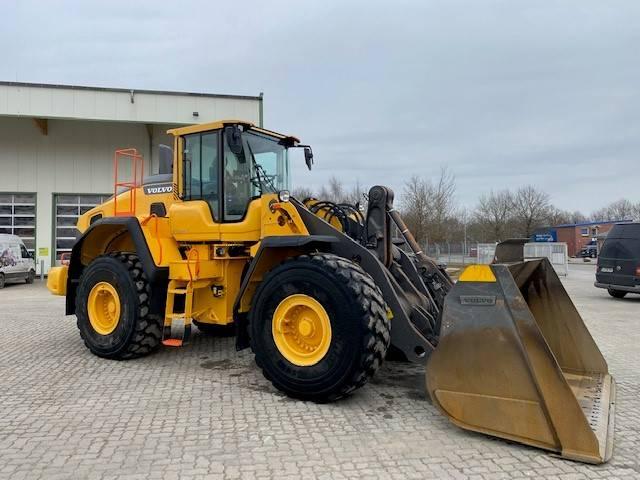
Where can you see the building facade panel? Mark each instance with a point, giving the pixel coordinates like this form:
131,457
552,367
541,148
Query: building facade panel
578,236
57,143
122,105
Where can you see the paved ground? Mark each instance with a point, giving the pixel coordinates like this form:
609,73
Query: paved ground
207,412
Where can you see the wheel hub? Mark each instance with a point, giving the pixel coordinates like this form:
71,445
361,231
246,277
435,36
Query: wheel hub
301,330
104,308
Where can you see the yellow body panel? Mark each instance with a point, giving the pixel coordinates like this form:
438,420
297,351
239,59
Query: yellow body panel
143,206
477,273
57,280
189,241
205,127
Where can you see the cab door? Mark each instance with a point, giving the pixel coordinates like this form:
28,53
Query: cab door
197,217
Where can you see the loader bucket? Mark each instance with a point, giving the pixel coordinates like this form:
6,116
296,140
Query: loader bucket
516,361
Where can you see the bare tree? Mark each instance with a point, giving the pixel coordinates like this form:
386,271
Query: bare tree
302,193
619,210
494,213
335,191
557,216
415,201
443,204
428,207
530,209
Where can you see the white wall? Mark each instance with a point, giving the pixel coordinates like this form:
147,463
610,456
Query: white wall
18,99
75,157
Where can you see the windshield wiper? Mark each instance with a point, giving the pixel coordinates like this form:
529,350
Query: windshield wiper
260,169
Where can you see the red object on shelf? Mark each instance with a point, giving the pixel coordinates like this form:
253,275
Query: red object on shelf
137,172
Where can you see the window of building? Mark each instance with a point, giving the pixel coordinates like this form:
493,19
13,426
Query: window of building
67,210
18,217
584,231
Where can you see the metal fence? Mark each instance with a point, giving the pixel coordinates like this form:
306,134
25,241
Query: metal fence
484,253
556,252
454,253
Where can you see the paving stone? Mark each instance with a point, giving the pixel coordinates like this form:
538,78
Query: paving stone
205,411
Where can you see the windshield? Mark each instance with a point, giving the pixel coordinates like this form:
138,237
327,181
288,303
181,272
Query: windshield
261,167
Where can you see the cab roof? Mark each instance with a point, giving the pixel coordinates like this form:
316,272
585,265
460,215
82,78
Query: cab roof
219,124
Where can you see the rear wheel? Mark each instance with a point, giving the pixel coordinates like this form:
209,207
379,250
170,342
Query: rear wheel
112,307
2,280
616,293
319,328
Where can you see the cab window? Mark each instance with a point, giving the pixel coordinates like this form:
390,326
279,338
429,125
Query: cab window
201,168
260,167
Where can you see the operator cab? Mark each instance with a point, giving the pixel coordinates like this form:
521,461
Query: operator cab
228,164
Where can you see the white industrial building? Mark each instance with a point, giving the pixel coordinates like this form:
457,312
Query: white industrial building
57,144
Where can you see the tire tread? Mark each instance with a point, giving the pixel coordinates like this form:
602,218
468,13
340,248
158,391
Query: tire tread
367,295
147,334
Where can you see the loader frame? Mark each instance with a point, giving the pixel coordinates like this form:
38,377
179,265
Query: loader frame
507,353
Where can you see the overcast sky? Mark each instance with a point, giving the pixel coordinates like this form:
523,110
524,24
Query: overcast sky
504,93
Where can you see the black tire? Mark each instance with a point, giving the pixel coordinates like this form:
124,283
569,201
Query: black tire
616,293
216,330
359,325
31,276
2,280
138,333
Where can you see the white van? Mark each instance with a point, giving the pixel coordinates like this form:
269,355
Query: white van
16,263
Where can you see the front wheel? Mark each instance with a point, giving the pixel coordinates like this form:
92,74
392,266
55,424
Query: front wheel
319,328
31,276
616,293
112,307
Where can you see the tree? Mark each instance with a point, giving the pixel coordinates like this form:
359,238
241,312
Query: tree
429,207
559,217
336,192
531,208
302,193
494,213
621,209
415,207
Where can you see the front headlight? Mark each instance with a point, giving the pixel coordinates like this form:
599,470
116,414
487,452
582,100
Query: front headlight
284,196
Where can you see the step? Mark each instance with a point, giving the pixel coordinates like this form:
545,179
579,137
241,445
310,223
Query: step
179,291
177,316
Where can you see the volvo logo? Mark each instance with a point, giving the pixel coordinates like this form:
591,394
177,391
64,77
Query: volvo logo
158,188
478,299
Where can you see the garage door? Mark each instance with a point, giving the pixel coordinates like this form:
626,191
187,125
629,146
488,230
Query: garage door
67,210
18,216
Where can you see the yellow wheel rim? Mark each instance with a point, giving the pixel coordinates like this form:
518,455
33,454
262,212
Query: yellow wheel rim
104,308
301,330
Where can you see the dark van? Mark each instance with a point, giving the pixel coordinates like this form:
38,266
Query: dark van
619,261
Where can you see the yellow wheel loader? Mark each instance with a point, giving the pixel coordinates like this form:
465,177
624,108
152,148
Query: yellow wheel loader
320,292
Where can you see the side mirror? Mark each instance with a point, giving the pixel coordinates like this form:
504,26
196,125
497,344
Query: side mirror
308,157
31,255
234,139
